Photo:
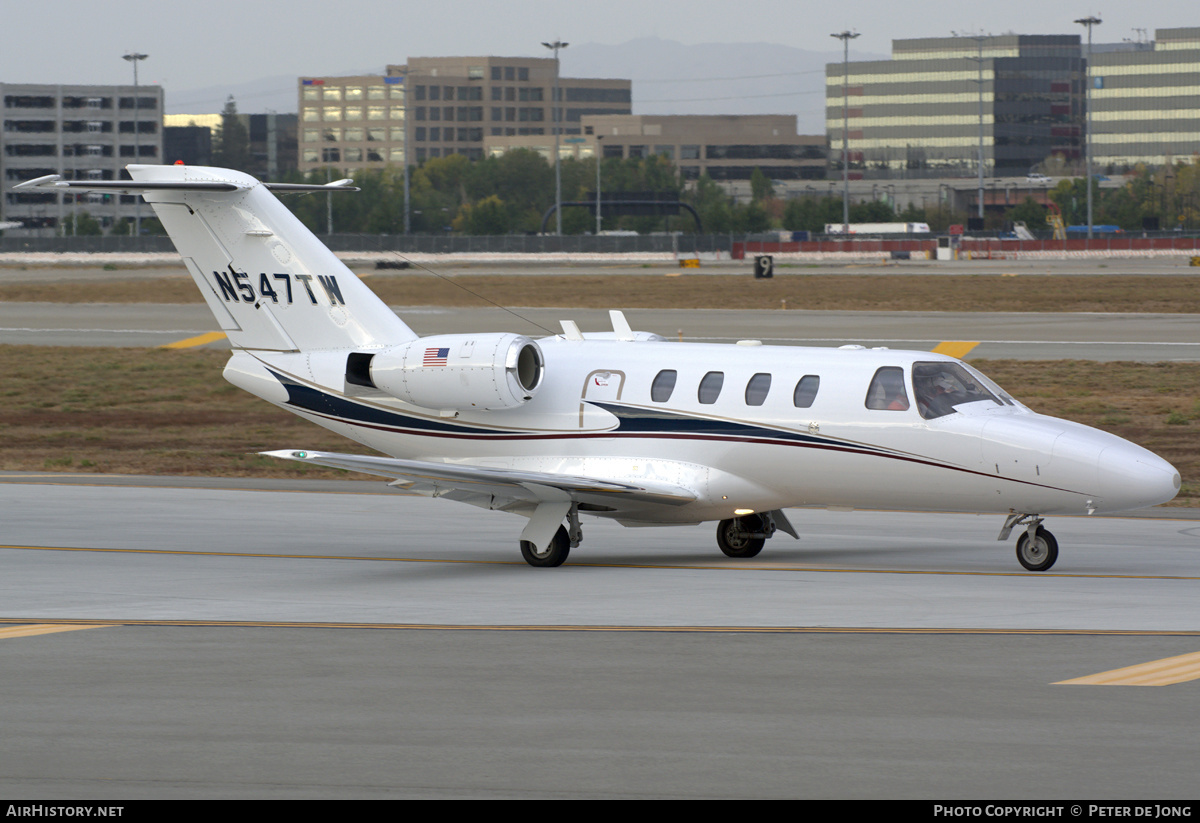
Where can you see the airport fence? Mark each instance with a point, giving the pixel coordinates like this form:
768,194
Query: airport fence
735,246
422,244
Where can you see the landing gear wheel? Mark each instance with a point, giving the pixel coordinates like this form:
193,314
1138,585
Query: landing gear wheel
734,536
554,555
1038,554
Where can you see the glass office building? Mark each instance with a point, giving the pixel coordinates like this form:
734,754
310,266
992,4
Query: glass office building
920,114
1146,103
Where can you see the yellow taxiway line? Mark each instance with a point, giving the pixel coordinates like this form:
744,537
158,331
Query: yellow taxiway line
702,565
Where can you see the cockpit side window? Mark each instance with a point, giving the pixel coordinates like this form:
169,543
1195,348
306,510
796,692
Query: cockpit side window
941,387
663,385
710,387
887,392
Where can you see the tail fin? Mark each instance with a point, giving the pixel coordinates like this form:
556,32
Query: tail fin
270,283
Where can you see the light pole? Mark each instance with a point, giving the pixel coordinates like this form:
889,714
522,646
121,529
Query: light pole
845,37
555,111
599,137
135,58
408,113
1089,22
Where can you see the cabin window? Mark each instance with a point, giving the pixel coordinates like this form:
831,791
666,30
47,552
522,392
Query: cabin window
663,385
941,387
757,388
806,391
710,387
887,392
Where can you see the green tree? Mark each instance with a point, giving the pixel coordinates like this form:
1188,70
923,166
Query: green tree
487,216
1031,213
231,147
760,187
82,224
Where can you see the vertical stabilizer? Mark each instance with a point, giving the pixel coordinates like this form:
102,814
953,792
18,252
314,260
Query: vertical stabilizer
269,282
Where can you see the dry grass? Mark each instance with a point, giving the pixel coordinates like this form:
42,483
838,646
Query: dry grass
857,292
135,411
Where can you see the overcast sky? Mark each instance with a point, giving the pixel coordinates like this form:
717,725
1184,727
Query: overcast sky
197,44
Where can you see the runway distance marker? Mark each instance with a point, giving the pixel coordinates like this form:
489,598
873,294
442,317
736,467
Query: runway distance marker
198,340
955,348
1164,672
47,628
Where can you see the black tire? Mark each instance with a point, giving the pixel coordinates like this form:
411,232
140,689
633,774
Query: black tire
1039,555
733,536
554,555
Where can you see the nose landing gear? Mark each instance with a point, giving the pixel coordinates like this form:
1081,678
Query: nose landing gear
1037,550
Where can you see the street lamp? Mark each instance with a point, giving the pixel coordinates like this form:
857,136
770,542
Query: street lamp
555,112
845,37
135,58
1089,22
599,137
408,115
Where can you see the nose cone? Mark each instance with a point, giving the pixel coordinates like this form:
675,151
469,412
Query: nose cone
1133,478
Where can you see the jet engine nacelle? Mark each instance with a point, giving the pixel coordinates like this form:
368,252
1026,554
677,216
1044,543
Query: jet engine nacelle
454,371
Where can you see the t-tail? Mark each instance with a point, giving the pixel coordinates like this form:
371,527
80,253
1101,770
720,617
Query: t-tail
271,285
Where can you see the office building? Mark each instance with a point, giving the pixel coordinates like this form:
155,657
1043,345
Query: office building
448,106
918,114
83,133
272,137
725,147
1146,103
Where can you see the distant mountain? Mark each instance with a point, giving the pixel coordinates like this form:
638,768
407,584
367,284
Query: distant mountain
668,78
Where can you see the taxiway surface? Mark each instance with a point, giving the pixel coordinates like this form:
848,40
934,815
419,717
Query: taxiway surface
1030,336
291,639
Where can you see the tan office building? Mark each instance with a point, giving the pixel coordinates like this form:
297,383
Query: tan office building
448,105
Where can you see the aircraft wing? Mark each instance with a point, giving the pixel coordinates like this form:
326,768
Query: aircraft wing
544,496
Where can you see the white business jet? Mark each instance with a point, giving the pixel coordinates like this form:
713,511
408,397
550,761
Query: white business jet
620,424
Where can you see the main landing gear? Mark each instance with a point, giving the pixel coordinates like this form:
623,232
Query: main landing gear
740,537
566,538
744,536
553,555
1036,547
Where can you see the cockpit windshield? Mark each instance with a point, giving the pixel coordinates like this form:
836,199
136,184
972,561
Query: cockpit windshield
941,387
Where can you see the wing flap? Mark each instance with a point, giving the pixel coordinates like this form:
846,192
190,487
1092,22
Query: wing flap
502,484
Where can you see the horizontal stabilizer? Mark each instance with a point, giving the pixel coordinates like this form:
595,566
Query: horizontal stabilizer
55,181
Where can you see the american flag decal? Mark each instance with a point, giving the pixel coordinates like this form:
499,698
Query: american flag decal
435,357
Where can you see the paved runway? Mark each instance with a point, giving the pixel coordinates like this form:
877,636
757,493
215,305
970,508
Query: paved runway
1139,337
287,640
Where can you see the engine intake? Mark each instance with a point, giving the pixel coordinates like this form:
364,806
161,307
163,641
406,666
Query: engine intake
454,371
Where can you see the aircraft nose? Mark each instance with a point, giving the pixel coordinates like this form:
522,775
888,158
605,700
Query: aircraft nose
1134,478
